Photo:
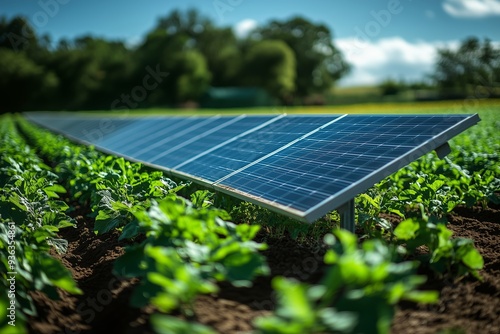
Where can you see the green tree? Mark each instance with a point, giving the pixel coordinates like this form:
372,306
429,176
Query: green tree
318,63
191,76
270,64
391,87
223,55
473,68
218,45
86,73
108,71
22,82
190,23
18,35
173,53
77,78
28,70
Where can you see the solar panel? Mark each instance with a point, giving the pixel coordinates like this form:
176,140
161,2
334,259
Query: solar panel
300,165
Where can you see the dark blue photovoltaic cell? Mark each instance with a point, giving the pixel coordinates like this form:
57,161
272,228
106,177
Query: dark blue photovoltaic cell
132,133
175,144
234,128
313,169
94,131
55,123
253,146
157,132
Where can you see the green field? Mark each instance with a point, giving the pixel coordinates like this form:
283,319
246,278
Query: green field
438,107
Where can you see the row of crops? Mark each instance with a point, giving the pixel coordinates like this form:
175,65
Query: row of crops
183,246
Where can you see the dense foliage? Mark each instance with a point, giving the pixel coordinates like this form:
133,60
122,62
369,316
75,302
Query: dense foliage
473,69
175,62
31,214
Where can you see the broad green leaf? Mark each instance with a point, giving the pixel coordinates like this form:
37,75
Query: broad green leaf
426,297
354,271
242,268
397,212
119,206
132,263
163,324
106,222
436,185
473,259
293,300
342,322
61,245
58,274
370,200
407,229
56,188
130,230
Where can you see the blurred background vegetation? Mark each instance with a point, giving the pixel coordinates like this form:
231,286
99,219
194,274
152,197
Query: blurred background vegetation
188,61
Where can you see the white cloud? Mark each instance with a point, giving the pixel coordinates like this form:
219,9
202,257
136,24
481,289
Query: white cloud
472,8
133,41
243,28
395,57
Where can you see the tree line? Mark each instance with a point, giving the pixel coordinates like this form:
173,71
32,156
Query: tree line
470,71
175,62
186,53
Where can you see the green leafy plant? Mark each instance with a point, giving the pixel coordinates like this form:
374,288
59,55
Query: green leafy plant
357,295
369,209
298,312
31,215
186,251
446,256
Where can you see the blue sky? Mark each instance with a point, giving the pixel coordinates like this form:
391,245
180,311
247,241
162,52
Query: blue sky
380,38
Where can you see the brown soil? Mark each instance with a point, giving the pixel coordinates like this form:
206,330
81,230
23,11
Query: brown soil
467,305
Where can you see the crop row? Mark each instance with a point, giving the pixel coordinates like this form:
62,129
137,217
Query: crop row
181,248
30,218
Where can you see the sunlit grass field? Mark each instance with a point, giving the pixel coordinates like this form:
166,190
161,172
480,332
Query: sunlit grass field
432,107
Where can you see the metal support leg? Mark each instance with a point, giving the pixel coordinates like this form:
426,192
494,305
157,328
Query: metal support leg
347,215
443,150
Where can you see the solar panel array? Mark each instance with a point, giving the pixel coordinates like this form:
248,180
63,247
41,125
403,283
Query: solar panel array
300,165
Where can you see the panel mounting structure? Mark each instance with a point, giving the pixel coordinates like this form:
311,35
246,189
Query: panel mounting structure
302,166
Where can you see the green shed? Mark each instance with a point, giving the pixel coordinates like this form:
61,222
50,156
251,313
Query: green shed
236,97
